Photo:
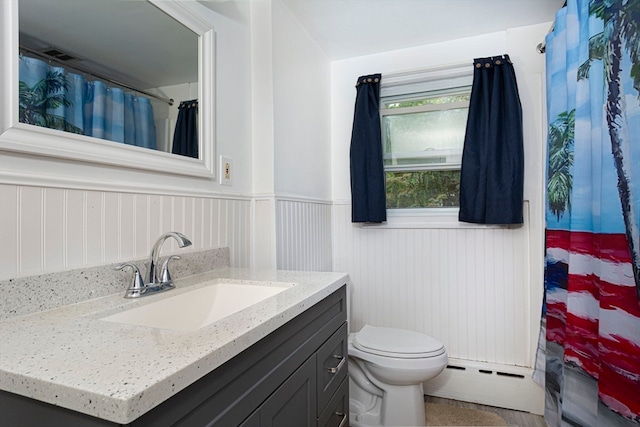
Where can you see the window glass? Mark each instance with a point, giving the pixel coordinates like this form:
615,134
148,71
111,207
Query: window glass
423,189
423,136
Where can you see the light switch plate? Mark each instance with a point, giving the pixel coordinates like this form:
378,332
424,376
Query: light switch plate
226,170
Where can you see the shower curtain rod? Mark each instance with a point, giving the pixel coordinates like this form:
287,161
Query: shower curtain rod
169,101
542,46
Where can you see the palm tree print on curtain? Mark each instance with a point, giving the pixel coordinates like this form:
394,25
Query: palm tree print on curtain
592,297
54,98
42,99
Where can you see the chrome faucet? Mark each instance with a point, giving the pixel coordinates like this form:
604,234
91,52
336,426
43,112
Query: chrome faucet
153,277
156,282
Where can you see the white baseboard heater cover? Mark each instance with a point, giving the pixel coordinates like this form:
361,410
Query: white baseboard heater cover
504,386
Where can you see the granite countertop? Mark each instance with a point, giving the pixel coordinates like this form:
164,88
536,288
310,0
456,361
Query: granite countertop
68,357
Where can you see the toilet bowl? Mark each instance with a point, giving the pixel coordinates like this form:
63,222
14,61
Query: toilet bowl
387,367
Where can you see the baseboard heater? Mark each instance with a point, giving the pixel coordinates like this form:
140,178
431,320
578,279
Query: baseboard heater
486,371
504,386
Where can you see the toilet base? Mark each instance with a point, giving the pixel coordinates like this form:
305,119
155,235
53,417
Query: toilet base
359,417
365,398
401,406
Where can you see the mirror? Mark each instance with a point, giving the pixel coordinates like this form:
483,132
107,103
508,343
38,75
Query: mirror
152,52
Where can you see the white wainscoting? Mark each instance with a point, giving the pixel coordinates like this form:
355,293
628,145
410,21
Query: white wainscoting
264,233
303,234
52,229
468,286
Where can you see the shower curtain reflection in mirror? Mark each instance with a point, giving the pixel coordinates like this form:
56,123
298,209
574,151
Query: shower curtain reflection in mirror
52,97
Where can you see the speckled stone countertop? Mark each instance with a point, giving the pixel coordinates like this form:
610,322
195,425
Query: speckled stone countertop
68,357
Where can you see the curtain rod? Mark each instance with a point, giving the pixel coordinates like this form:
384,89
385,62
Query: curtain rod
169,101
542,47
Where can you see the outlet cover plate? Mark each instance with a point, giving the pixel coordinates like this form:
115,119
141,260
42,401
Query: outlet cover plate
226,170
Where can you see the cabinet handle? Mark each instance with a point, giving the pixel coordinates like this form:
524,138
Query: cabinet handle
343,360
343,421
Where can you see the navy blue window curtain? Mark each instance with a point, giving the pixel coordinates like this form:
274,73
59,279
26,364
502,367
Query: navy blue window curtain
492,175
368,197
185,136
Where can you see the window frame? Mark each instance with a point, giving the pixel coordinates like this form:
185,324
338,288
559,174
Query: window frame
449,77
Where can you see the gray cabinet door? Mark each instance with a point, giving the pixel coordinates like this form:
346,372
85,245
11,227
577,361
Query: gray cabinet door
336,414
293,404
252,420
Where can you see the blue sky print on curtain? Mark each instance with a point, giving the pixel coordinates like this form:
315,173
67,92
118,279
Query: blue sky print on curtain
54,98
592,282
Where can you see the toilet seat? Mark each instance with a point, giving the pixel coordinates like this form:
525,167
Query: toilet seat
397,343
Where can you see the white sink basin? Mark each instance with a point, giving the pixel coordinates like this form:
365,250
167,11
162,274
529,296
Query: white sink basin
200,307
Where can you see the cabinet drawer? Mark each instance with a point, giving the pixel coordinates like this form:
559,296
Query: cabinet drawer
336,414
332,365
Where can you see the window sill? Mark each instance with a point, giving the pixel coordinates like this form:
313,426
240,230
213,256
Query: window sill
441,218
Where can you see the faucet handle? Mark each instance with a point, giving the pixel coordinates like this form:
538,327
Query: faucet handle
165,277
137,284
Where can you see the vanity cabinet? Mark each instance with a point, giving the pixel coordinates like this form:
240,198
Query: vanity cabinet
296,376
314,395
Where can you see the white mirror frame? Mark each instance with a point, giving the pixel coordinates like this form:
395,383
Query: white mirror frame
39,141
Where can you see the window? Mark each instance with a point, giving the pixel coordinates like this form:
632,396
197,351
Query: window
423,127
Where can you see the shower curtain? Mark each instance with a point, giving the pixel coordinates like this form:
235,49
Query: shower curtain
592,278
51,97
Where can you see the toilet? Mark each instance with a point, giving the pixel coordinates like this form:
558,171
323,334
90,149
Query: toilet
387,367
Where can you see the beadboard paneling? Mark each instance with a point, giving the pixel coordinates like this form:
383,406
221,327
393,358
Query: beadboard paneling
303,235
51,229
264,244
468,287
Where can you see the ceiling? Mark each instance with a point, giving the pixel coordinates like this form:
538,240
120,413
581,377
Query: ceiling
350,28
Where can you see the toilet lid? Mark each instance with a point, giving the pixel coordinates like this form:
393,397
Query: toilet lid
397,343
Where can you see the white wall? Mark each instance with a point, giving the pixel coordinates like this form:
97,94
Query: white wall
262,98
232,24
478,289
302,121
291,106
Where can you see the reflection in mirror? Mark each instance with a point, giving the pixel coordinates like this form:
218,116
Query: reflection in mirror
109,70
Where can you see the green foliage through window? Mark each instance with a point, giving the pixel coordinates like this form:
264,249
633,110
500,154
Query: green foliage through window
423,189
